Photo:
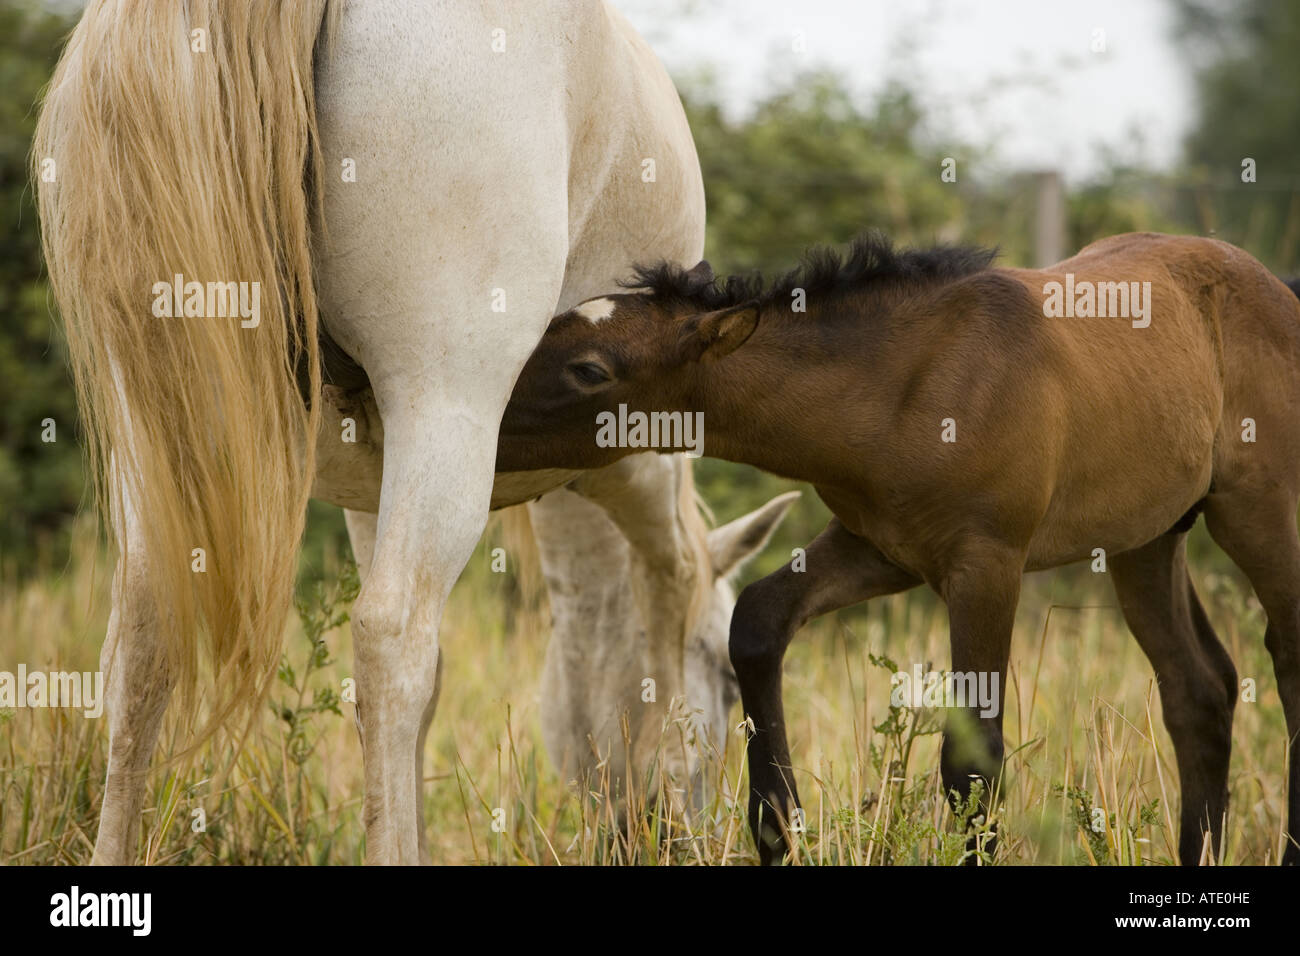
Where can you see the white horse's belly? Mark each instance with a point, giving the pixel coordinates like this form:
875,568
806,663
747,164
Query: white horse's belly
349,450
350,458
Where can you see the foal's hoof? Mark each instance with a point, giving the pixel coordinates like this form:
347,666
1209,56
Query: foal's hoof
771,845
978,845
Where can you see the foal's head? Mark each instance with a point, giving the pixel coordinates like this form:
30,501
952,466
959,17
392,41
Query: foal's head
640,349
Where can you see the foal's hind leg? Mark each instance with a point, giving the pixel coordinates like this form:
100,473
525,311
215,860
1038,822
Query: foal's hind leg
1259,534
842,569
1196,678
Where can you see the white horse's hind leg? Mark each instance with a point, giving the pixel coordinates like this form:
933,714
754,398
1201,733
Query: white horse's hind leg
137,692
443,264
137,689
438,465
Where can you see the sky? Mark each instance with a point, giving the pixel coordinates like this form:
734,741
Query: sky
1017,76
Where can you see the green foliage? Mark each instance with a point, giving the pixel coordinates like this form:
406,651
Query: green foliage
1246,83
814,166
292,821
40,482
1098,830
318,615
914,832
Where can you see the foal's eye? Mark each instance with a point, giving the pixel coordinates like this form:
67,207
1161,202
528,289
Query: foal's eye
589,374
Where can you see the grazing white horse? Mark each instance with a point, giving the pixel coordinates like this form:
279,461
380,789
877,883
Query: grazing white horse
600,655
429,184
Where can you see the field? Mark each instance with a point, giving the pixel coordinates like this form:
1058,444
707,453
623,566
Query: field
1024,126
1090,774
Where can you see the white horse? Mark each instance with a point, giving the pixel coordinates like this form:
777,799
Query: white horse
600,654
432,182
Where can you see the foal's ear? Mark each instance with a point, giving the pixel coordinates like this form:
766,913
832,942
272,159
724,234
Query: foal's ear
712,335
701,271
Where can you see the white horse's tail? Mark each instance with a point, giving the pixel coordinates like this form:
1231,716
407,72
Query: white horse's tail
178,166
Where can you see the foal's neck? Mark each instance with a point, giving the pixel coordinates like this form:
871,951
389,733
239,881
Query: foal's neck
794,399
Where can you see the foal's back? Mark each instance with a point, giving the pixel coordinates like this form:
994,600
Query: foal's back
1078,431
1218,315
1160,401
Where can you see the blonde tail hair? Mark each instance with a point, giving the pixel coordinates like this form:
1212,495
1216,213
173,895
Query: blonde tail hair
183,141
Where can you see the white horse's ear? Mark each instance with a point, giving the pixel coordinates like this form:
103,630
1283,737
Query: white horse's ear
737,541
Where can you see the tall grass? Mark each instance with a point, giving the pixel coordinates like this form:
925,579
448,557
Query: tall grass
1090,774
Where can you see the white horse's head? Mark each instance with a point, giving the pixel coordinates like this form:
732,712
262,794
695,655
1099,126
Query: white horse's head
711,686
603,652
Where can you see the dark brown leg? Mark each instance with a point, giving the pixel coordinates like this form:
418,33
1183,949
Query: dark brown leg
1198,684
1259,533
981,589
841,570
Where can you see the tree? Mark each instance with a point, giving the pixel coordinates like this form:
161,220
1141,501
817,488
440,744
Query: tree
41,483
1247,74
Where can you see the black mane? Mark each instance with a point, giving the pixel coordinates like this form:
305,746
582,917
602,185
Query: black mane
871,258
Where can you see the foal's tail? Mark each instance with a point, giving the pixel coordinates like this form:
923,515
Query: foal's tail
178,166
1292,284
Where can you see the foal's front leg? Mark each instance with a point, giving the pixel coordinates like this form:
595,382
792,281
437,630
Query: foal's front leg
841,569
981,588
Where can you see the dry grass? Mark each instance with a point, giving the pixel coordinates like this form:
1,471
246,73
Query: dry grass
1082,727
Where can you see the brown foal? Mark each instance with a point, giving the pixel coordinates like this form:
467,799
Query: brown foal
966,424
